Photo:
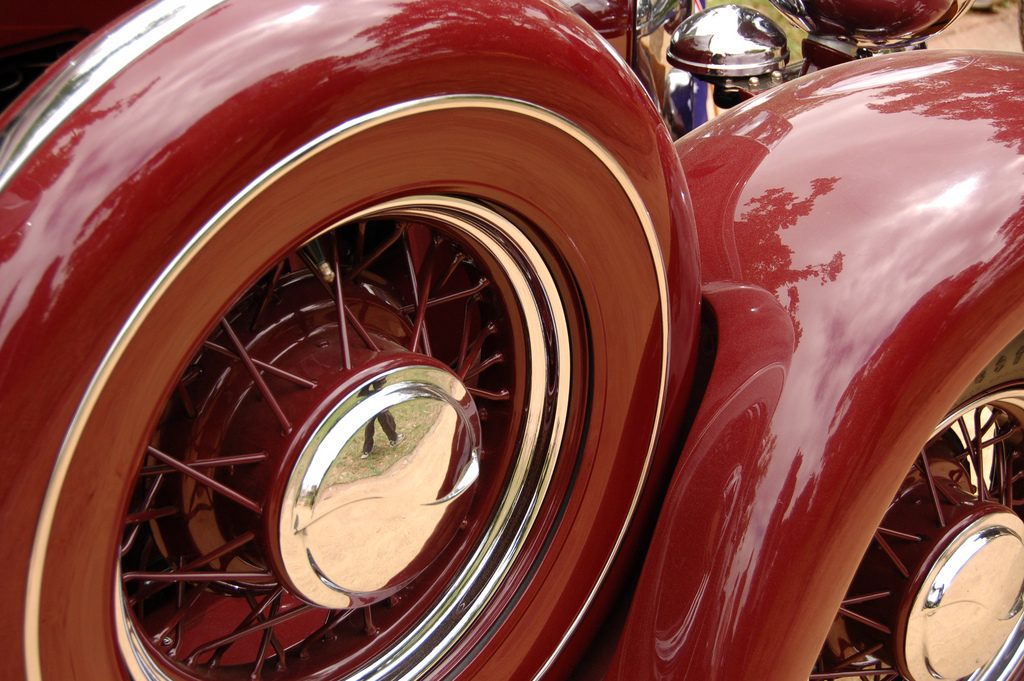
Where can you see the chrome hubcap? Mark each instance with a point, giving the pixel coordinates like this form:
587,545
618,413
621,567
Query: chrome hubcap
970,602
940,591
358,523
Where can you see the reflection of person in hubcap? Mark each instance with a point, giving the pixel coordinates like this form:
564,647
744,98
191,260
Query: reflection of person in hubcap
387,421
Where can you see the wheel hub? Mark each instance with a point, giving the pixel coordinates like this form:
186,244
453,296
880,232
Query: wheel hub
358,520
311,488
970,601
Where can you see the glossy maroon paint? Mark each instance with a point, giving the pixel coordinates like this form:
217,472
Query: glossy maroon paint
27,22
861,235
613,19
120,188
871,20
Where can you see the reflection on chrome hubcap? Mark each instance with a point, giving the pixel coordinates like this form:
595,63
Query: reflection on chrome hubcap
970,602
358,524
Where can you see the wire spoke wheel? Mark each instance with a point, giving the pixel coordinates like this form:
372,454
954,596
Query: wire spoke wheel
940,591
353,457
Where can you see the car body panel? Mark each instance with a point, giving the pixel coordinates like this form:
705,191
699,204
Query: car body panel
25,24
861,235
859,231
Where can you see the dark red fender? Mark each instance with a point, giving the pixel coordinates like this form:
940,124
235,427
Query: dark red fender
25,22
83,234
862,248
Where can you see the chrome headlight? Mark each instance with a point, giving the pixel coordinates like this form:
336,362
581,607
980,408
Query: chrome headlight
728,41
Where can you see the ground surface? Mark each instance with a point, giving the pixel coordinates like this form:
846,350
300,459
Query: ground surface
994,30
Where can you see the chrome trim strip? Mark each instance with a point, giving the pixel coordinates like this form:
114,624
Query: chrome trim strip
83,77
206,232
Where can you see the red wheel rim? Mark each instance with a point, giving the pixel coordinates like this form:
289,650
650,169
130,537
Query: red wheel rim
205,592
963,494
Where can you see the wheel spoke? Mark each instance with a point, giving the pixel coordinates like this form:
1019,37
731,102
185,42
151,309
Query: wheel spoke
150,497
451,297
499,396
360,241
224,550
496,358
205,480
420,293
453,266
880,674
265,366
182,391
858,656
179,602
865,620
257,378
931,488
352,319
334,619
867,598
999,439
251,623
268,295
368,626
339,306
200,576
891,554
974,454
472,355
379,251
212,462
259,626
899,535
184,606
359,329
268,635
464,337
152,514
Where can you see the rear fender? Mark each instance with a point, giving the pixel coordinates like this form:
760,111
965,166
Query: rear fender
862,250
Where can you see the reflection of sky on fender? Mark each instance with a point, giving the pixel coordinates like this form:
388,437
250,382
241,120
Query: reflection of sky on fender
894,240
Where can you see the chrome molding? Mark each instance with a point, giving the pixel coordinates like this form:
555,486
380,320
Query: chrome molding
84,76
160,286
